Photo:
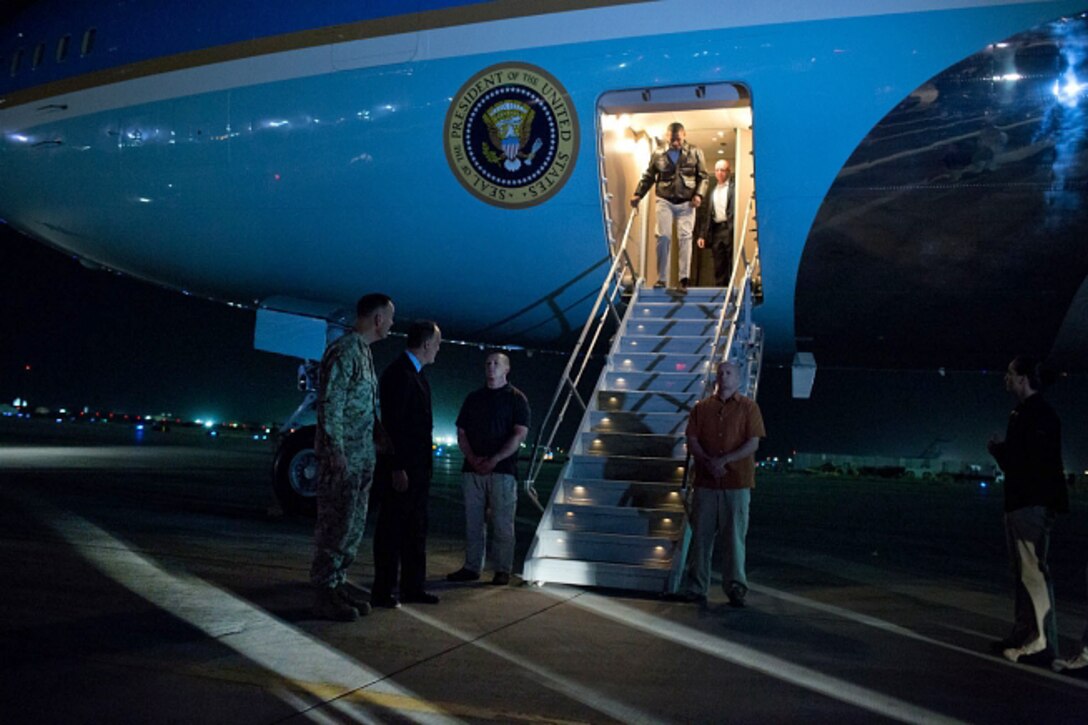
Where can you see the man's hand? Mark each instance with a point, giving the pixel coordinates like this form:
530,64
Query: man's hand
701,243
718,466
400,481
485,466
635,199
696,201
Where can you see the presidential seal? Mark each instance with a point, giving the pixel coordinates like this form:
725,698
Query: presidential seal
511,135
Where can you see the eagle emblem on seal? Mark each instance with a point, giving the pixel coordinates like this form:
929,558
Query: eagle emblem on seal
509,126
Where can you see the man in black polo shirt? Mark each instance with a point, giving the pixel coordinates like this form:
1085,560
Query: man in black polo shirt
493,422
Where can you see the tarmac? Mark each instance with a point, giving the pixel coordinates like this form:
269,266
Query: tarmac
146,582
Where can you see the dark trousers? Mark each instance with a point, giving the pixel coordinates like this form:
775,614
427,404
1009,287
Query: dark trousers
721,245
400,539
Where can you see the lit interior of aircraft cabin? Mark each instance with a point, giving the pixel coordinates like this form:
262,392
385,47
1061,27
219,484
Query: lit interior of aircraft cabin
717,119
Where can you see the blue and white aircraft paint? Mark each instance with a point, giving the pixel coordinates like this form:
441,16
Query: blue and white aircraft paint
293,155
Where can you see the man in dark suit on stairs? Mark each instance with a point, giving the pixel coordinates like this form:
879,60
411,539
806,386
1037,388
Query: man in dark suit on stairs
404,477
715,222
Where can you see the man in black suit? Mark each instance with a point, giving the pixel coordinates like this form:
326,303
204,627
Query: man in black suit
715,222
404,477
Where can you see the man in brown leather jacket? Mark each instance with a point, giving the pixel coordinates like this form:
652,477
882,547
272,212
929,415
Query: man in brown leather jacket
679,172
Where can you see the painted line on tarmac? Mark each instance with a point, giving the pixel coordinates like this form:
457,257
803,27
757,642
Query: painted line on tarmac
748,658
295,656
901,631
548,678
306,709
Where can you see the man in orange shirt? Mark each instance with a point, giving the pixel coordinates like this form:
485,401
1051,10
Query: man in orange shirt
723,434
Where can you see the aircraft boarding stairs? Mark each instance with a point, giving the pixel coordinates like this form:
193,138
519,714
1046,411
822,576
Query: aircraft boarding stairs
616,517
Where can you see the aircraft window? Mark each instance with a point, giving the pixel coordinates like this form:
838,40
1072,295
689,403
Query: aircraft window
39,54
16,61
88,42
62,48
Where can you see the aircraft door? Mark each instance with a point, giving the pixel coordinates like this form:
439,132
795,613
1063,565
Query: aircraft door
631,124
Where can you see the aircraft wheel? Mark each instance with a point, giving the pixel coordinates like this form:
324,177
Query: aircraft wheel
294,473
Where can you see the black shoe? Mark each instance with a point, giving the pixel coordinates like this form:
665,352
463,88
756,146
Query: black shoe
419,598
684,284
659,285
500,579
352,600
463,575
329,606
736,594
688,598
693,598
385,601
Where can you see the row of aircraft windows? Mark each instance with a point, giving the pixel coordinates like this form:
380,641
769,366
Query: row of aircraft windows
63,46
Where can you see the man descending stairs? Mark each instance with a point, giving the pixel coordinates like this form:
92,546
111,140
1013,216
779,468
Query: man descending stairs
617,516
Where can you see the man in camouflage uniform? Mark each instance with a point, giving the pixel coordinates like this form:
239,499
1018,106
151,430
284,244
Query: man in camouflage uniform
346,454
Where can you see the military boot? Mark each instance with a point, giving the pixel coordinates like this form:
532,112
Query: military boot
327,605
348,597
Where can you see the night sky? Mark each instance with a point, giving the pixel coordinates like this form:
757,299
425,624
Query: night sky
110,342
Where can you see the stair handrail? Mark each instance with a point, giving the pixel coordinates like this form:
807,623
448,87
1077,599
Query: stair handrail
742,297
604,304
731,291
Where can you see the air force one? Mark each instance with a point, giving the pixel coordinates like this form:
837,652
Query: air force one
910,174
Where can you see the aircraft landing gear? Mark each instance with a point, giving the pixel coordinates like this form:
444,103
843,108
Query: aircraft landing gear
294,472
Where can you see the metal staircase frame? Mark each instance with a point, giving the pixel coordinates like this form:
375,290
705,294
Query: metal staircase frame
742,343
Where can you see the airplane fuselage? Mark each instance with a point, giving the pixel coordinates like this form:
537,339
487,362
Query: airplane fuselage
280,154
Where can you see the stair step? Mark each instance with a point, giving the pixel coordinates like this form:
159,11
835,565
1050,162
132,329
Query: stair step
646,402
626,520
649,551
674,311
684,328
641,362
683,345
637,494
595,573
627,468
638,422
647,445
687,382
701,295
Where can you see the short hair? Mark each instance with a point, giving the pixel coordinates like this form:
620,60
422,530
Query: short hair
497,351
676,126
420,332
1039,374
728,364
722,162
371,303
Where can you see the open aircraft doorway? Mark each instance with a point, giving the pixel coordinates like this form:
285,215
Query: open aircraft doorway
632,123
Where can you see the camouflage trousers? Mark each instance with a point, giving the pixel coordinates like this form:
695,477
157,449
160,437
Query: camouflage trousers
341,517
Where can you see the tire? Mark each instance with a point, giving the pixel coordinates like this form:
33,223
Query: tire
294,473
